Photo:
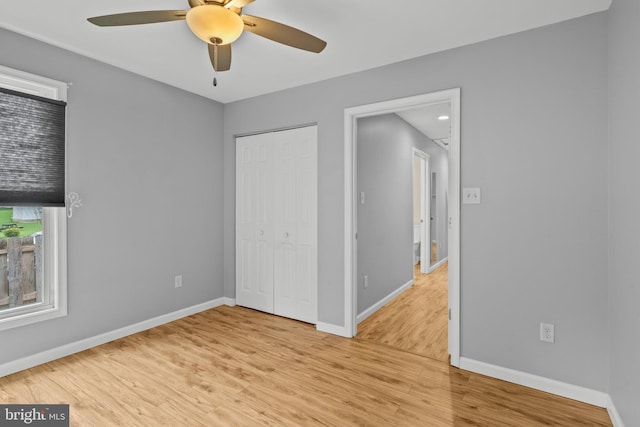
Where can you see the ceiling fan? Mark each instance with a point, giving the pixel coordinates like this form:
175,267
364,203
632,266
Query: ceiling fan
219,23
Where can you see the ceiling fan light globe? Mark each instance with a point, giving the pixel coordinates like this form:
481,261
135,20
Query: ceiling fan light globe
215,24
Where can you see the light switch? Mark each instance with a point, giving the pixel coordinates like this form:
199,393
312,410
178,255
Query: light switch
362,197
471,196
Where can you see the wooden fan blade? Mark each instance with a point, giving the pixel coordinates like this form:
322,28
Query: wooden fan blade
194,3
238,3
283,34
221,60
136,18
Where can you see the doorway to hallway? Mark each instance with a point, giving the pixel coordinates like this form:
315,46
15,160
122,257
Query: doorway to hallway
353,199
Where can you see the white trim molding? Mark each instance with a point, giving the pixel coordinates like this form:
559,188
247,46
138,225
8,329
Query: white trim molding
333,329
87,343
438,264
559,388
377,306
616,420
52,300
33,84
54,273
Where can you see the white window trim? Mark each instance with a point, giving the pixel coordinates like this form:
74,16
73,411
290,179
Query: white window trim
32,84
54,225
54,222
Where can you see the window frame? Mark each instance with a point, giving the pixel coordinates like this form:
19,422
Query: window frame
54,222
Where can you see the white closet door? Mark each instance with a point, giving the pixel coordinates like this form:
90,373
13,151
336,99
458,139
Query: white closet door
254,222
295,224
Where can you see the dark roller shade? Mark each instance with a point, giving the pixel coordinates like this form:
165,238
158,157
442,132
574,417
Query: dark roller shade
31,150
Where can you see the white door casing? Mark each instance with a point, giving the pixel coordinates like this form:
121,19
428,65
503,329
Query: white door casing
351,115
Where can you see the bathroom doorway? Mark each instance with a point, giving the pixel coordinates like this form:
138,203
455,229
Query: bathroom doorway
422,216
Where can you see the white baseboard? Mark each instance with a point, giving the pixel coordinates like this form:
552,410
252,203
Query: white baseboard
377,306
438,264
333,329
613,413
559,388
84,344
231,302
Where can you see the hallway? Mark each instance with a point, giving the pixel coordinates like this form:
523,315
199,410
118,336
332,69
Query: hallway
415,321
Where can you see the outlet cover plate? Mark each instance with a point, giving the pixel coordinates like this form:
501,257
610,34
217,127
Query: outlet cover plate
547,332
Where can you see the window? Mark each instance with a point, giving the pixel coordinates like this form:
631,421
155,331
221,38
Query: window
32,213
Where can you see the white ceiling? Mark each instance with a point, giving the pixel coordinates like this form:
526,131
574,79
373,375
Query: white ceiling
426,120
361,34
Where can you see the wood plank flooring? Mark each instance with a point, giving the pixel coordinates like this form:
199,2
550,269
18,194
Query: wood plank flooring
416,320
232,366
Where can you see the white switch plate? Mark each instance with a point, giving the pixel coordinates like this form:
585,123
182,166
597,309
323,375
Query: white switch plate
471,196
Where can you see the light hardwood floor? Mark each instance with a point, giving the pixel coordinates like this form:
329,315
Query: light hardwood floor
416,320
232,366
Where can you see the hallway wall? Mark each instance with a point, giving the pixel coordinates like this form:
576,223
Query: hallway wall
385,227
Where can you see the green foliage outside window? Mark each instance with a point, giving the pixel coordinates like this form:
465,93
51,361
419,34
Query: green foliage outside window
11,232
24,228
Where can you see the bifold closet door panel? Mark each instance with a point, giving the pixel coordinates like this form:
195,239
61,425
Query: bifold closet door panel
254,222
295,224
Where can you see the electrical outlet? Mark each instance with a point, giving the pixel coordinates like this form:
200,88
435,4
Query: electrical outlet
366,281
547,332
178,281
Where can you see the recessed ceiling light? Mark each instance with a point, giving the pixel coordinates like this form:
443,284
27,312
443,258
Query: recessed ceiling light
443,117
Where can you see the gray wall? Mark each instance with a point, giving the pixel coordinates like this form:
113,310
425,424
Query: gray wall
624,211
533,138
146,160
385,221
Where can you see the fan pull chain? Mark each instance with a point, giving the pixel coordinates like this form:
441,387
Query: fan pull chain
215,63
